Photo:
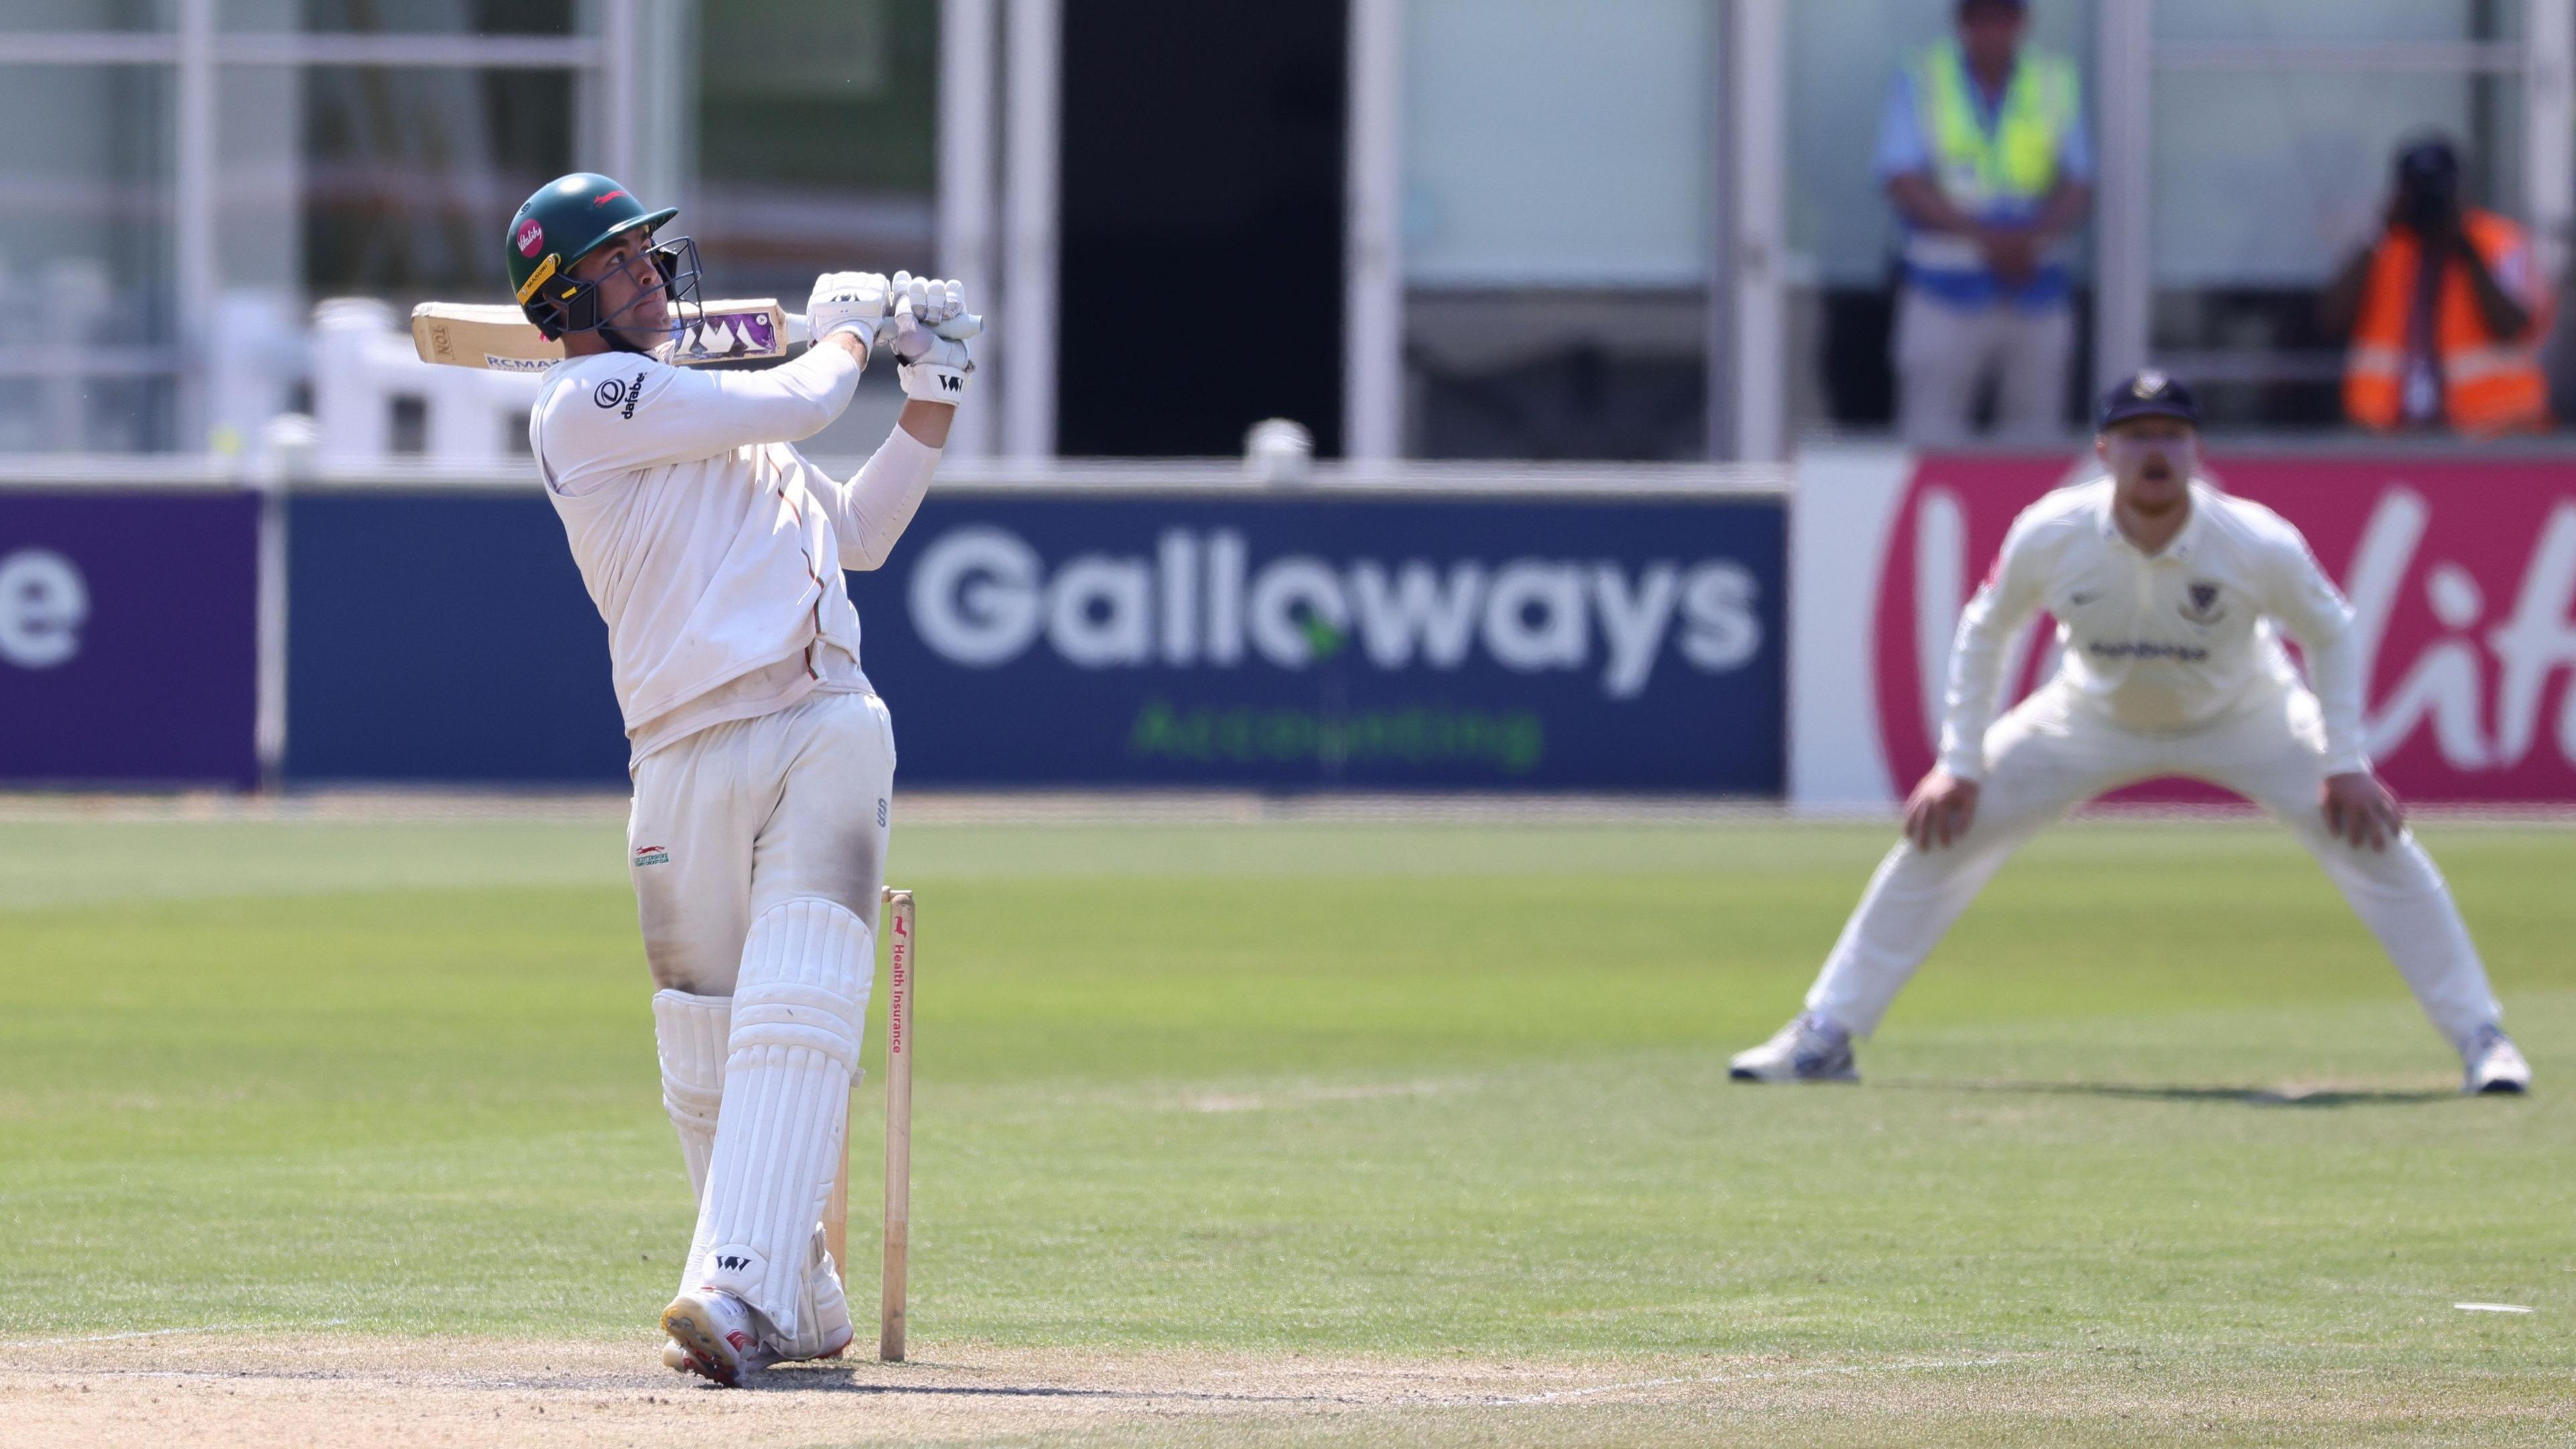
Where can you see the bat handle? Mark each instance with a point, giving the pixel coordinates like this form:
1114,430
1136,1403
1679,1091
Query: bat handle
956,329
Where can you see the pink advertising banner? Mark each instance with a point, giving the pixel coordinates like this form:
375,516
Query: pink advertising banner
2461,572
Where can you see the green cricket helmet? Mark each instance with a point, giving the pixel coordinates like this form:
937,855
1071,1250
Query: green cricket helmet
568,219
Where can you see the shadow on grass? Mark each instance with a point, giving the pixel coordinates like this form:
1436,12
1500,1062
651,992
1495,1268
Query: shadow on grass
2242,1096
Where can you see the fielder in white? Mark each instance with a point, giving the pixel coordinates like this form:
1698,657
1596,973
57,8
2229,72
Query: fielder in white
763,760
2170,598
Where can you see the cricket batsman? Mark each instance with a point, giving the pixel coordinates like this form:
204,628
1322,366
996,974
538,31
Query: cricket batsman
762,759
2170,599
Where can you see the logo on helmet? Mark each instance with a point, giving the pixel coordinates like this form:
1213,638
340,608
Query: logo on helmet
531,236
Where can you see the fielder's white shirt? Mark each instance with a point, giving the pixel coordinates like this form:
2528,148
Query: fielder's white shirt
712,547
2160,642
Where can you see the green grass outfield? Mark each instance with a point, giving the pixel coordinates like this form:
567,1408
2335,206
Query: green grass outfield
2157,1120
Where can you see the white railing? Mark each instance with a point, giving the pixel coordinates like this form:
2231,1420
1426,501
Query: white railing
364,363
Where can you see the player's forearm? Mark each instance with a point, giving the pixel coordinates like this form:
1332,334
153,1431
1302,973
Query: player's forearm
928,422
1976,679
812,390
871,511
1968,709
794,400
2334,676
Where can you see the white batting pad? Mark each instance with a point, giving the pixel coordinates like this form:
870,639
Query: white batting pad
797,1010
822,1314
690,1033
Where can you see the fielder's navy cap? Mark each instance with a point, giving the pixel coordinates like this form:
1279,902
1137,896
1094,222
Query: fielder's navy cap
2148,394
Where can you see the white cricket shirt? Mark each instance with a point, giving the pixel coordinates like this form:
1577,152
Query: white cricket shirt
2159,642
712,547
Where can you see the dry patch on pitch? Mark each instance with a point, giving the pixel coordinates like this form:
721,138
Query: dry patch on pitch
234,1388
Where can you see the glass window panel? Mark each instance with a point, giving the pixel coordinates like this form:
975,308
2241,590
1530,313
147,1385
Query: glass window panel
1558,158
817,150
85,264
786,186
2273,184
77,15
409,17
70,413
2261,192
1842,59
409,176
2294,22
1557,143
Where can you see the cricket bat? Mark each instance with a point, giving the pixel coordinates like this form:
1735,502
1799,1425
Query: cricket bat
499,337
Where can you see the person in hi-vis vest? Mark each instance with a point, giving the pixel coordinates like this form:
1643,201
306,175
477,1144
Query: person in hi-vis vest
2444,310
1984,155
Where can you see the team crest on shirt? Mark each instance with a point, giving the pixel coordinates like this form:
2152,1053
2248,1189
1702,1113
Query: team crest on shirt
2203,606
652,855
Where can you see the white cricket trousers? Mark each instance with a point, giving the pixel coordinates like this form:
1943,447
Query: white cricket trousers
1945,353
758,851
742,817
2052,753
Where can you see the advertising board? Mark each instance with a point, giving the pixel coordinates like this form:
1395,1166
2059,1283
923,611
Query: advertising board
128,638
2461,573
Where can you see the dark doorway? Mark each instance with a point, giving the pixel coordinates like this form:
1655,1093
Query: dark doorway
1203,172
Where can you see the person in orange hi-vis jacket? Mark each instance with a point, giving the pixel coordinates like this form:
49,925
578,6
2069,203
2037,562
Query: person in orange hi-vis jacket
2445,311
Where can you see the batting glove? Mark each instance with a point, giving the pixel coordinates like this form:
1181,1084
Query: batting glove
855,302
933,368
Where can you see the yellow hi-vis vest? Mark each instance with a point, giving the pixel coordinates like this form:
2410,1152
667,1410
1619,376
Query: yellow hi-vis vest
1977,170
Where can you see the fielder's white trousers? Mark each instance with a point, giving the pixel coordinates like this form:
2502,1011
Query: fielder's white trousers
2052,753
1945,353
739,818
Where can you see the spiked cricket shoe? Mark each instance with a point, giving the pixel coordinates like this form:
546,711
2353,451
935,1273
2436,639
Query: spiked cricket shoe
2492,1063
1809,1049
717,1336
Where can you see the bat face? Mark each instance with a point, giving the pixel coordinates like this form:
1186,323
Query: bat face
736,333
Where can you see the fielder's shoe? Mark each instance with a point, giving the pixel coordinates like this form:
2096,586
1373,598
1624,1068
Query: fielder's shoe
1809,1049
2493,1064
717,1335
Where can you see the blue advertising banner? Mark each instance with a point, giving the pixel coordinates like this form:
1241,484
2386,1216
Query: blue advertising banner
129,638
443,637
1314,640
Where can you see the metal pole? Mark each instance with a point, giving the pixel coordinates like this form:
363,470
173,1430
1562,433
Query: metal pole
2549,133
192,269
622,33
967,34
1757,239
1373,286
1032,172
2123,276
268,726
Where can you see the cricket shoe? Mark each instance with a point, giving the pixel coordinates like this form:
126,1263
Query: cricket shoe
2493,1064
1809,1049
716,1335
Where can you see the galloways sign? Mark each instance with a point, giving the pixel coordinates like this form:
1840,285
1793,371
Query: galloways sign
1315,640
